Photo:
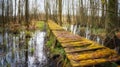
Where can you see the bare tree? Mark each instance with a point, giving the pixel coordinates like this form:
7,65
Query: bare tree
19,17
46,3
27,23
7,11
11,11
60,12
3,13
112,25
112,14
15,11
22,9
27,13
68,14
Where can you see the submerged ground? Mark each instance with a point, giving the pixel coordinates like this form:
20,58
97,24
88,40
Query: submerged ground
13,48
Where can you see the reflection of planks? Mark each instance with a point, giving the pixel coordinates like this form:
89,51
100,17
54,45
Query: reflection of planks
81,51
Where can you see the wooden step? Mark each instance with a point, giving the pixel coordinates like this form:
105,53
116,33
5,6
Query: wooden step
78,49
65,36
54,26
100,53
77,44
92,62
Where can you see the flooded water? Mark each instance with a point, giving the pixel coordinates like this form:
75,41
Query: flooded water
13,51
73,29
87,33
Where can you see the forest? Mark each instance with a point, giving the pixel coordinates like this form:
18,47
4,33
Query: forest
59,33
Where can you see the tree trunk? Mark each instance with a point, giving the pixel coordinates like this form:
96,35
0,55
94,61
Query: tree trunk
27,23
27,13
112,23
15,11
3,24
102,20
19,18
7,15
46,9
60,12
3,13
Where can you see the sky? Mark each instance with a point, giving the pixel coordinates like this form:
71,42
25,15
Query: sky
40,5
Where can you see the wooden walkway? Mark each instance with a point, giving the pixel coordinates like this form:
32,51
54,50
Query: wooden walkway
80,51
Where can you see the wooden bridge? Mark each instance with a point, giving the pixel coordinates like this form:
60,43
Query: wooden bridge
80,51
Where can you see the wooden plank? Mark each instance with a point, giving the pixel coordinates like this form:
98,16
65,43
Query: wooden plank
78,49
83,46
65,36
91,62
54,26
101,53
77,44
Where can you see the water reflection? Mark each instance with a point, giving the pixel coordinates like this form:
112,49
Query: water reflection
98,39
38,58
73,29
86,32
12,50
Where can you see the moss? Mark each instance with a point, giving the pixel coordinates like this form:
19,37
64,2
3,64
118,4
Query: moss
8,65
98,30
28,34
49,43
59,45
58,50
101,53
40,25
1,29
32,50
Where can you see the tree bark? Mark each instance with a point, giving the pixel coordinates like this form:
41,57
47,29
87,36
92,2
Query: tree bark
27,23
60,12
112,23
19,17
3,13
46,9
27,13
15,11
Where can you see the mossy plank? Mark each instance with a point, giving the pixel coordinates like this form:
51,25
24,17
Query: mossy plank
78,49
100,53
91,62
54,26
65,36
77,44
